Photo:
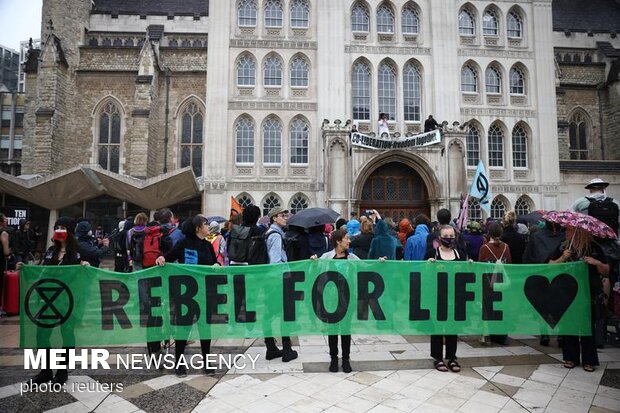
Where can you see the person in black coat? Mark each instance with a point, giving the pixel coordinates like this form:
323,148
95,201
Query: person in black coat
88,247
516,242
64,251
197,250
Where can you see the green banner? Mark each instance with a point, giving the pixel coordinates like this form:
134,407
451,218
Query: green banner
85,306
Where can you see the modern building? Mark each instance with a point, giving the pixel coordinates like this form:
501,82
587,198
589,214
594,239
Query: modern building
11,131
9,68
134,105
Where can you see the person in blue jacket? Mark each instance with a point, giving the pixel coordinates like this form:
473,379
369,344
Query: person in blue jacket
415,248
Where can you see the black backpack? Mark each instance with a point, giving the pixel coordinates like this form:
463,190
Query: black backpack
605,211
239,243
136,245
258,253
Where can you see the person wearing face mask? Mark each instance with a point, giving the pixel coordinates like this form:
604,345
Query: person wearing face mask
63,252
197,250
446,251
89,250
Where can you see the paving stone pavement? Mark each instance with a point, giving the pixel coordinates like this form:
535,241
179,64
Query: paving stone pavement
391,374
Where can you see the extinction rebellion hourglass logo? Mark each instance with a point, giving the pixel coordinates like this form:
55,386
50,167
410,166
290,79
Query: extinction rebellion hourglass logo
49,303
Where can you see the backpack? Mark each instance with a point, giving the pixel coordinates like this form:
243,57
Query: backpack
258,252
605,211
136,245
239,243
218,248
157,241
319,244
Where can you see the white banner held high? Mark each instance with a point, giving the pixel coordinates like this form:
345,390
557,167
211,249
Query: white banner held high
369,142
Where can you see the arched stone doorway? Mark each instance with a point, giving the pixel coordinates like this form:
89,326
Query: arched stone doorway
396,190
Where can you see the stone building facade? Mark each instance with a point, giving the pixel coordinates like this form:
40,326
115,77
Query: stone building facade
258,97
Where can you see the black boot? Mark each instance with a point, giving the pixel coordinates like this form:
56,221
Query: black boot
43,377
273,352
61,376
333,365
346,366
288,353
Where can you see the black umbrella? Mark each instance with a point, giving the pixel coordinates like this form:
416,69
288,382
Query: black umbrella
531,219
312,217
216,218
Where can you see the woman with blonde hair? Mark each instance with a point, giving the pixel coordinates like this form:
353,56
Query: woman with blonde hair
516,242
580,245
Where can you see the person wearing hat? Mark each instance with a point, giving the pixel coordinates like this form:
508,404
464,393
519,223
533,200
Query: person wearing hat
598,204
218,242
63,252
278,217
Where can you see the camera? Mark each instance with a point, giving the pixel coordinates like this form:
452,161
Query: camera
368,212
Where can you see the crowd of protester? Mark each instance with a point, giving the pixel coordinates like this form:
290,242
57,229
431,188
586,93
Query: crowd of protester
372,237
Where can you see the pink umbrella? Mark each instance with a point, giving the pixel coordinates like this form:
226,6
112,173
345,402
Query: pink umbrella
582,221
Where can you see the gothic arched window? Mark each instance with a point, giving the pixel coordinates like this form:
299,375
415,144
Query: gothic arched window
299,72
578,136
386,76
474,212
360,19
246,71
412,95
522,206
272,141
514,23
270,202
300,14
272,72
273,13
244,200
385,19
246,13
299,142
496,146
519,147
493,80
244,141
410,20
109,140
467,23
361,91
473,146
469,80
192,137
498,208
298,203
490,23
517,81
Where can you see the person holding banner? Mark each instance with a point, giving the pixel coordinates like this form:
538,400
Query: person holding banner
63,252
341,243
193,249
446,251
580,245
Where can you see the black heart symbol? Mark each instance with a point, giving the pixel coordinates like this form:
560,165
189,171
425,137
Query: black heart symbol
551,300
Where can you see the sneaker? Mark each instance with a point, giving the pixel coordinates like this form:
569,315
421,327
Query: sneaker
181,371
346,366
210,371
60,377
333,365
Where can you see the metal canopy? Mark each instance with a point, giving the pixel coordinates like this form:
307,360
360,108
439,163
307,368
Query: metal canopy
84,182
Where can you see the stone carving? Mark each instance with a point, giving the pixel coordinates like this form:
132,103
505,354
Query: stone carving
387,50
272,44
296,106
